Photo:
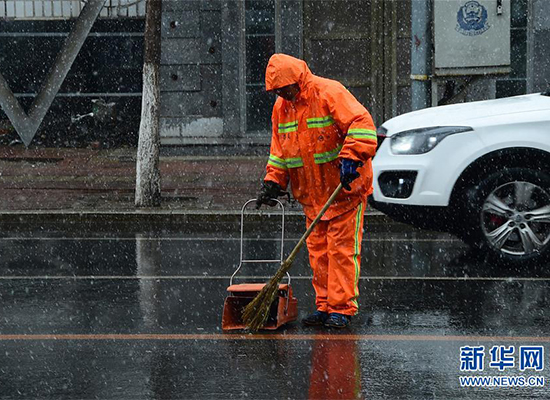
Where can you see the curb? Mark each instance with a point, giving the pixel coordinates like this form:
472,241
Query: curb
193,220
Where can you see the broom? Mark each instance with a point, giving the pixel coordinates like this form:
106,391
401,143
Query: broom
256,312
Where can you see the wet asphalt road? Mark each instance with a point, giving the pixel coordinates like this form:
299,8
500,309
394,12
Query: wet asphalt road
136,314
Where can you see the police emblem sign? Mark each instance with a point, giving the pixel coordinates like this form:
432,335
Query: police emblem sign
472,19
471,37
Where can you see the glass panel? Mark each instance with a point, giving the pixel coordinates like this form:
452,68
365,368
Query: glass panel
260,45
258,51
260,17
258,108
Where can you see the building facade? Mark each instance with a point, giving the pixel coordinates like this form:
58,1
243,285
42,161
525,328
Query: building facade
214,54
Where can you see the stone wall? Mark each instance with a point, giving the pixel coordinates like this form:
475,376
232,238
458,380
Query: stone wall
191,71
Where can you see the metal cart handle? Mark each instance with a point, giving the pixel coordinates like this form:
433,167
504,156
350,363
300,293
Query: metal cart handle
242,260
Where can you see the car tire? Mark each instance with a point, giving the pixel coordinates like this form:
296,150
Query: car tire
508,215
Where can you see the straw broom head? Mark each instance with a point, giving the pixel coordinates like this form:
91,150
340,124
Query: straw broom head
256,312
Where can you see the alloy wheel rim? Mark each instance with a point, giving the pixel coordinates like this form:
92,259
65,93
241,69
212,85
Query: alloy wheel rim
515,218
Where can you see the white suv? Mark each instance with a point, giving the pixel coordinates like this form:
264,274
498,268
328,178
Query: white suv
479,170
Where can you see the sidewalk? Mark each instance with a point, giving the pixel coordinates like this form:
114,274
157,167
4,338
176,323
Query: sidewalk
80,181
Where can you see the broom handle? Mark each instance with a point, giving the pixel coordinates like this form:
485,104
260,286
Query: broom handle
297,248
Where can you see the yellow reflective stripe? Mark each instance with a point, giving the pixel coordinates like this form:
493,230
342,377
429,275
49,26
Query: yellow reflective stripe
320,119
287,130
285,163
285,124
320,122
275,158
294,162
362,133
288,127
357,252
321,158
276,162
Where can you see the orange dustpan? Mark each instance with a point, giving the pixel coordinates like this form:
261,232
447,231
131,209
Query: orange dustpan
285,307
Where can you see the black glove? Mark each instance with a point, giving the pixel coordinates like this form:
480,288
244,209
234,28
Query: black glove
348,172
270,190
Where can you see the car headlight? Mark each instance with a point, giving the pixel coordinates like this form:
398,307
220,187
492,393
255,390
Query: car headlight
422,140
381,133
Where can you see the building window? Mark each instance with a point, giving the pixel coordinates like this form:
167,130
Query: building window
261,43
65,9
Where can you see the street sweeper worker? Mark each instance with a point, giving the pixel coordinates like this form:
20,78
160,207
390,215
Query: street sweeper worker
322,136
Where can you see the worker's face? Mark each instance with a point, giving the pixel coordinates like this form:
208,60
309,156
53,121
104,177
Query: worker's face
288,92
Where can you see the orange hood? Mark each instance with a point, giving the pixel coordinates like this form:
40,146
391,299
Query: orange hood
283,70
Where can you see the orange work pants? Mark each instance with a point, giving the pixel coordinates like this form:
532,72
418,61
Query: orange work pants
335,256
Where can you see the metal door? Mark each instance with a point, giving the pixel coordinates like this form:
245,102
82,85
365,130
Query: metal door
364,44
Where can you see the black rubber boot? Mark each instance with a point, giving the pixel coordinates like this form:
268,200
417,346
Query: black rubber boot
317,318
336,320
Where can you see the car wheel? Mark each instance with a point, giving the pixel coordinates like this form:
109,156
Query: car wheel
509,215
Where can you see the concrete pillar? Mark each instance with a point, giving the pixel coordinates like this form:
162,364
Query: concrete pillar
421,53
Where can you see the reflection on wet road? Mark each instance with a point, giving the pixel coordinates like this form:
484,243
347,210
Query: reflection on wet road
134,314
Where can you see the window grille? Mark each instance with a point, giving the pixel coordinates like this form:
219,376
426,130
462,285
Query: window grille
66,9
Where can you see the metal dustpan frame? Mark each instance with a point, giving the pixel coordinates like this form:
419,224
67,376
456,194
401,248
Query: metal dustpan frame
241,294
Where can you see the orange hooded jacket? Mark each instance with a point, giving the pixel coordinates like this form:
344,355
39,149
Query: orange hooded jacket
323,123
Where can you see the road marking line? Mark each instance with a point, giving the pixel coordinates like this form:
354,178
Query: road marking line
277,336
200,239
214,277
